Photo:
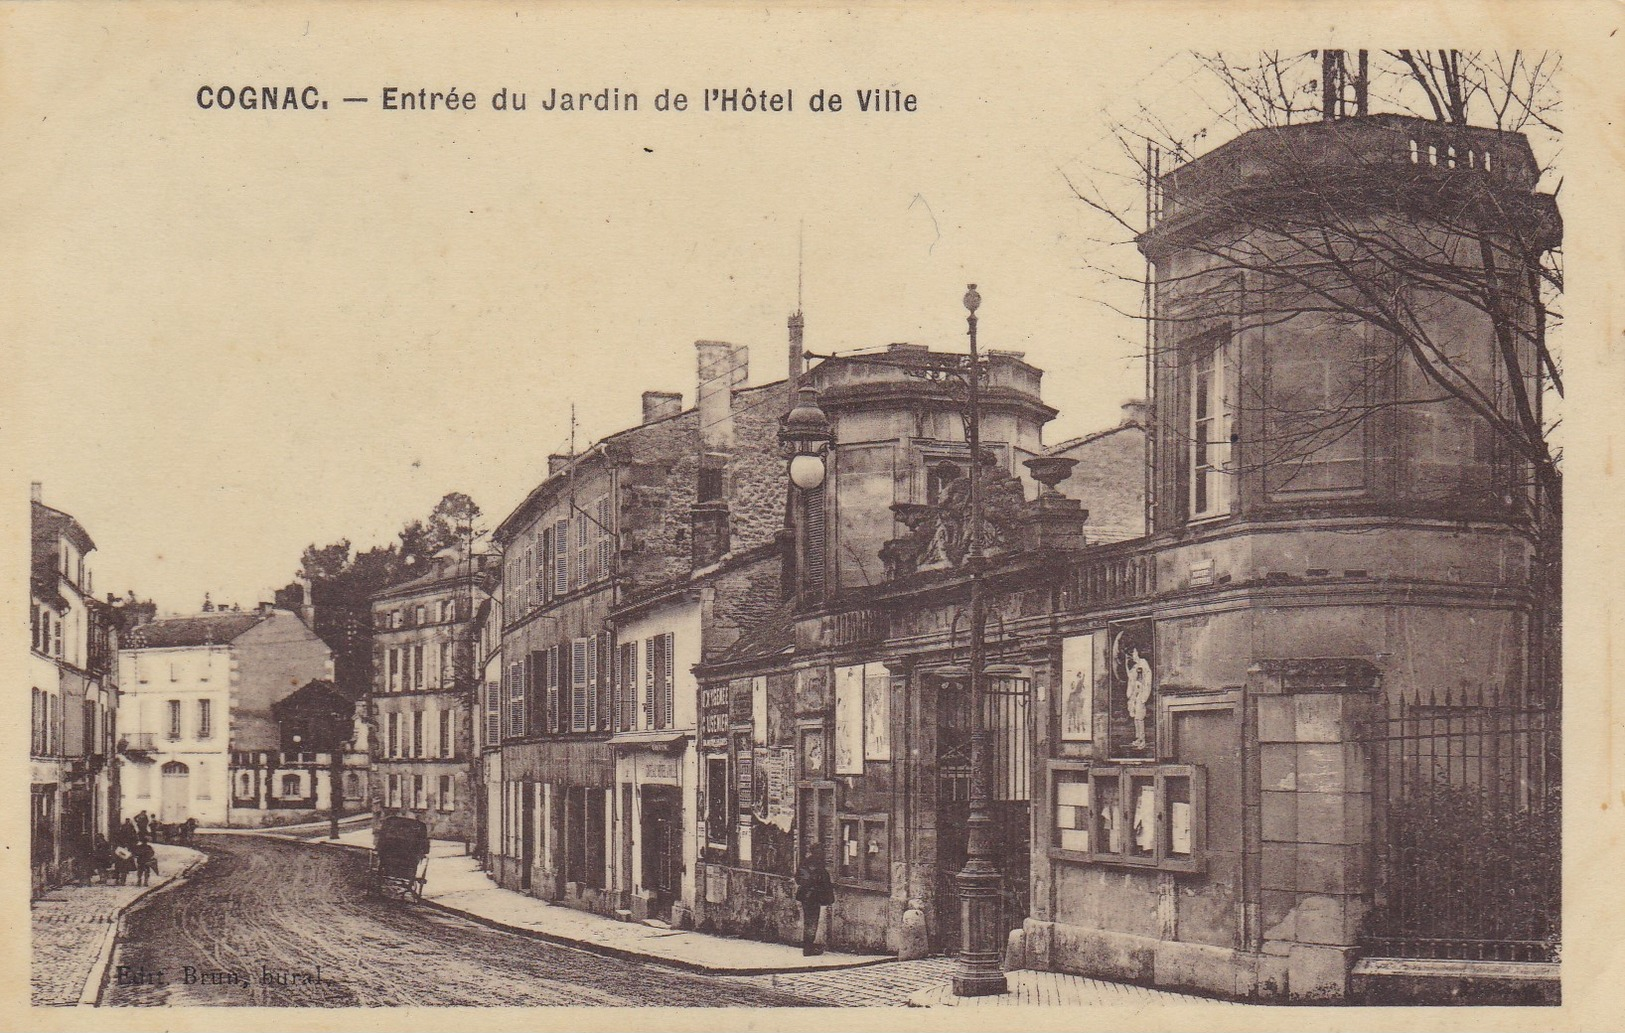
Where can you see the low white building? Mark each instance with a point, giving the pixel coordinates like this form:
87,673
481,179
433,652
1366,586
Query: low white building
197,688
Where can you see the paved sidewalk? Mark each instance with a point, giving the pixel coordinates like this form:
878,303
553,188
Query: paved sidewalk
457,884
73,928
1059,990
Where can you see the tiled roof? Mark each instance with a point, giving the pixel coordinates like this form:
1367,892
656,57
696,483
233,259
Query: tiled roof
773,636
204,629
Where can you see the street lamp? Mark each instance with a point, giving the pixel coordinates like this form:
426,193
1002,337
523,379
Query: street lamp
980,932
807,436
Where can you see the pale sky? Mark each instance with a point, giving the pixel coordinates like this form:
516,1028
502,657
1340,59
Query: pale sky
243,332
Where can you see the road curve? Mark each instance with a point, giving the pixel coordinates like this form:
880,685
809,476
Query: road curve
275,923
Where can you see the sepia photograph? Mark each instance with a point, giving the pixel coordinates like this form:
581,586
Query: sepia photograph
767,507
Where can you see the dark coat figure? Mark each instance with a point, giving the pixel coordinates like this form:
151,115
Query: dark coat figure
815,891
146,863
188,827
124,863
143,825
126,836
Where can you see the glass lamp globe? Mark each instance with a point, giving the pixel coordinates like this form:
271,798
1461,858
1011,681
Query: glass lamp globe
807,472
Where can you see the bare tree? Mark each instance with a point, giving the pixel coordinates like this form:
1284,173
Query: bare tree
1421,245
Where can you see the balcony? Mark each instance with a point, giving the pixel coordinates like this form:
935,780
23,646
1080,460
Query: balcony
138,742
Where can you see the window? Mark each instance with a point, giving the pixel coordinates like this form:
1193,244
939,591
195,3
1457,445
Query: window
493,713
516,701
448,798
544,574
583,573
290,786
561,555
592,682
174,719
448,674
392,796
445,733
606,545
660,682
394,670
417,666
205,719
417,733
418,803
1210,427
1147,815
245,784
717,810
555,715
56,637
626,686
394,722
395,618
864,851
578,685
419,615
447,608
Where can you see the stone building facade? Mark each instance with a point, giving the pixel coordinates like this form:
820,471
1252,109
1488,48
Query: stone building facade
199,694
423,691
568,745
73,678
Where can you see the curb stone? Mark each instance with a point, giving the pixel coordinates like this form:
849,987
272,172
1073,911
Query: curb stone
96,982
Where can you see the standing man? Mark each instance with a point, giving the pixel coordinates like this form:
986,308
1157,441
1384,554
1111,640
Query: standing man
815,891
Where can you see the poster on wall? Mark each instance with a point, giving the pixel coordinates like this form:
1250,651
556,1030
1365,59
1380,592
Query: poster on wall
876,712
849,720
775,804
1077,695
1132,710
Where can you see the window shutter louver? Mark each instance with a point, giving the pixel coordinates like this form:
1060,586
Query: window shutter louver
555,719
815,538
606,675
578,685
629,685
649,682
671,681
592,683
561,557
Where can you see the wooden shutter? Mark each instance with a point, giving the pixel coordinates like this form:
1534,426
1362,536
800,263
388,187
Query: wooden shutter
555,712
578,685
561,557
649,682
814,558
545,575
592,682
493,714
671,680
627,679
606,676
660,693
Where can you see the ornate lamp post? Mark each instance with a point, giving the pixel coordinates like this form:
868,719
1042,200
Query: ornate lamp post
807,438
979,973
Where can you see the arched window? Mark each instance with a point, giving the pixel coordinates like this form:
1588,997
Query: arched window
290,785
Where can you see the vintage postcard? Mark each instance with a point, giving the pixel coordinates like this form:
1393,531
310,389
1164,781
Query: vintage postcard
1042,516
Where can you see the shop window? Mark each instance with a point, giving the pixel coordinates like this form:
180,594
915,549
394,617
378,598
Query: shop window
863,853
1150,815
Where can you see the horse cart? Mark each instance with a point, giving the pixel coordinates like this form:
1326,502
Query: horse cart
400,859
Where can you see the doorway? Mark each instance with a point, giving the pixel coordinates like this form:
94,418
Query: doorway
176,793
662,845
527,832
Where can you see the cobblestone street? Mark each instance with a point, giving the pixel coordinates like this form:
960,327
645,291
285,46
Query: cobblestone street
69,925
275,923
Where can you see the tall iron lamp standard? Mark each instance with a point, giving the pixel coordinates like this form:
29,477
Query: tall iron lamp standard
807,438
980,932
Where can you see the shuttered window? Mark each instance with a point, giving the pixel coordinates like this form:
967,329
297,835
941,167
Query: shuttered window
561,557
546,573
592,682
661,690
555,714
493,714
606,549
627,682
606,679
578,685
516,699
815,538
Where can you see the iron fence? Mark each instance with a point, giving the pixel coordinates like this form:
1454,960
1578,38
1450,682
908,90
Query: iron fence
1467,811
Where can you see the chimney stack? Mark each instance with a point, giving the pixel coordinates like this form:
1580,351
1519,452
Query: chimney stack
722,367
36,491
657,405
797,359
1135,413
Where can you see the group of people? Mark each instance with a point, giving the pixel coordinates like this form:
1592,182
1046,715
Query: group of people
131,851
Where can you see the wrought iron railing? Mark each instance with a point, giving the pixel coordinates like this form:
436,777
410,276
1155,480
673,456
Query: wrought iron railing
1467,806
